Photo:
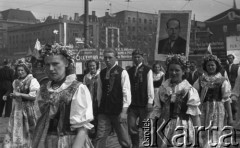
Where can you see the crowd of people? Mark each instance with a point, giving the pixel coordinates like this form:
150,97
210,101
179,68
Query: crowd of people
67,113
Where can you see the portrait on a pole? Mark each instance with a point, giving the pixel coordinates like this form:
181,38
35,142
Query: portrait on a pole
173,33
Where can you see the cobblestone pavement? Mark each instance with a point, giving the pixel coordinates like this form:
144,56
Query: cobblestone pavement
3,126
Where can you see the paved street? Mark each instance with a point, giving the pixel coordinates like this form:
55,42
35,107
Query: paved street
111,141
3,125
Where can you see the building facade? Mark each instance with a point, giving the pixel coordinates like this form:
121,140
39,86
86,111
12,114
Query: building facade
222,26
12,18
131,29
61,30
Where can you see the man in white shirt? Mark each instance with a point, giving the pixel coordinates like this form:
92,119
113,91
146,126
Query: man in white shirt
114,97
142,90
233,72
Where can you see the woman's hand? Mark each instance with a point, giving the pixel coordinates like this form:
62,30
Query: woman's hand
4,98
15,94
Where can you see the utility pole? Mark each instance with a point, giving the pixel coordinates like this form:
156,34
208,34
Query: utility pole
86,23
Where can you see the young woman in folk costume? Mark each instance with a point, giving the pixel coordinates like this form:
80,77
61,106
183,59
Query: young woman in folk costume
215,91
23,117
65,105
90,80
158,76
177,104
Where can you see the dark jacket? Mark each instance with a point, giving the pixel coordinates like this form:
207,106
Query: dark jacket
179,46
191,79
112,94
6,79
139,85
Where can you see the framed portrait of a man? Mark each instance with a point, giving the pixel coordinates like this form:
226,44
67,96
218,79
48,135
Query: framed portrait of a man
173,33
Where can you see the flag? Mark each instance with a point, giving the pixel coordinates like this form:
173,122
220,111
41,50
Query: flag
36,49
37,45
209,49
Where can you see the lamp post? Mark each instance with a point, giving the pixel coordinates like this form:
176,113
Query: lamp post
55,32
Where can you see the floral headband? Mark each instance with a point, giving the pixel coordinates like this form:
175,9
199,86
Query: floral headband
176,59
57,49
211,57
23,62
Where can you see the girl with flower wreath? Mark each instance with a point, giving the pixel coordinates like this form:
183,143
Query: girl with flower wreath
64,104
176,104
23,117
215,92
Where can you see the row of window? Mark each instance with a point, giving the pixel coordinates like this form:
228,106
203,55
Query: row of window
133,28
145,21
225,28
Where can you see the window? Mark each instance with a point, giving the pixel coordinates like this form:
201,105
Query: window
139,28
140,20
145,21
129,20
150,21
134,20
133,28
129,28
225,29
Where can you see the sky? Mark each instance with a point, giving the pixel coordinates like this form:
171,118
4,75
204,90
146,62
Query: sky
202,9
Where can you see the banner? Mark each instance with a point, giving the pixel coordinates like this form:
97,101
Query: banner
233,47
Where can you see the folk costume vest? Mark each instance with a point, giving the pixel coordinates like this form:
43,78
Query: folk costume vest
60,123
112,95
212,89
139,85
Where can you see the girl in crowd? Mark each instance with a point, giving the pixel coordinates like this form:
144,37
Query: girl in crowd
90,79
215,91
176,103
65,105
23,117
158,76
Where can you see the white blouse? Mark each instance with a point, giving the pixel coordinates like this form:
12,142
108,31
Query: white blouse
226,86
33,88
166,89
81,112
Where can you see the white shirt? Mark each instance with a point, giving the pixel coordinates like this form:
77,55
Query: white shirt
33,88
126,88
150,87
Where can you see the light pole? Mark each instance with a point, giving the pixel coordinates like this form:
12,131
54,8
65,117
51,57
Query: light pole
55,32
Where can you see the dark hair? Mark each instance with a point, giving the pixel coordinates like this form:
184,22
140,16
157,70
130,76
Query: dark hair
92,60
173,19
27,69
137,52
71,69
6,61
231,55
193,62
156,63
218,69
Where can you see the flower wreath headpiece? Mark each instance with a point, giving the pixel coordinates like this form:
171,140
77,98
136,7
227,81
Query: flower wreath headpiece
211,57
23,62
57,49
176,59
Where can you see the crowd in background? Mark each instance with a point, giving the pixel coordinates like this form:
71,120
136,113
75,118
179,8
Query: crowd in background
115,100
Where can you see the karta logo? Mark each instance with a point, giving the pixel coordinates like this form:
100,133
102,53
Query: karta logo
181,138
